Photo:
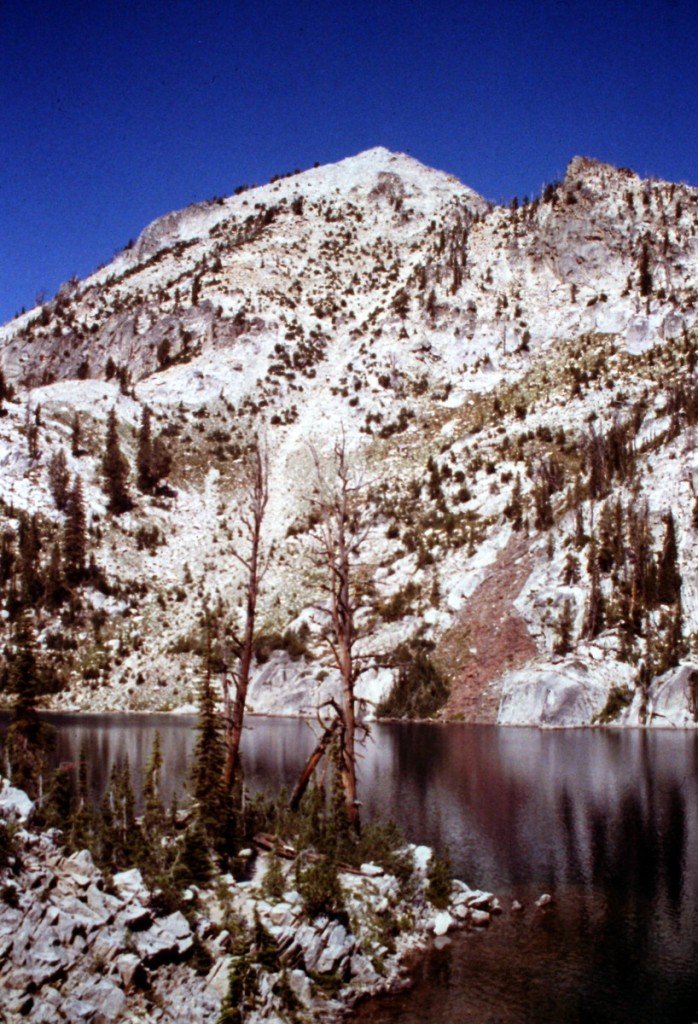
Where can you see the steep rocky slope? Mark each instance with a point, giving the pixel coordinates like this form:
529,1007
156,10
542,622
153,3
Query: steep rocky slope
515,386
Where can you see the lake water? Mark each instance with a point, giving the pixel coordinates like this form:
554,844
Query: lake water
607,822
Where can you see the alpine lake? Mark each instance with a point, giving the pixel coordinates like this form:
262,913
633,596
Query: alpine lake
605,821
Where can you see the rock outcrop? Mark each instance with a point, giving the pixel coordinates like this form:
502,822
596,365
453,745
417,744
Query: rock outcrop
76,945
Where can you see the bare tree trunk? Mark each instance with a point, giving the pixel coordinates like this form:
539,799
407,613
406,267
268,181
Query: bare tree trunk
339,538
312,763
254,563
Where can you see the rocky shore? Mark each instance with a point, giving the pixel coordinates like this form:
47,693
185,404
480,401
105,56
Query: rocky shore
78,945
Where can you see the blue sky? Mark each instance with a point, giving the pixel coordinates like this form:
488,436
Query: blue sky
112,113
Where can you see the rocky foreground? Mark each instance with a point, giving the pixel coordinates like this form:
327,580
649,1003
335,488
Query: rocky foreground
76,945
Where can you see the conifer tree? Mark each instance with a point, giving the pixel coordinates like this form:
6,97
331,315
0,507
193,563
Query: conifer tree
56,591
31,584
28,739
515,507
153,461
668,576
120,834
153,808
83,820
563,629
32,423
76,436
144,455
115,470
59,479
75,535
59,806
596,611
8,556
211,807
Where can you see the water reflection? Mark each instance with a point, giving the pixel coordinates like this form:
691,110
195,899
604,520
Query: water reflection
606,820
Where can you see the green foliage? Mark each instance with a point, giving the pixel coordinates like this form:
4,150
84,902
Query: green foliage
383,843
668,577
75,535
115,470
420,689
59,479
57,809
212,810
29,740
563,629
619,697
439,881
8,843
243,987
266,948
293,642
318,885
153,460
399,604
274,880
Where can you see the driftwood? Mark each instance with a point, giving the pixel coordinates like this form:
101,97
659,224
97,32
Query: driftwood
272,844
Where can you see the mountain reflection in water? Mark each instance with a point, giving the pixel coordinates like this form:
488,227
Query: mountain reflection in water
604,820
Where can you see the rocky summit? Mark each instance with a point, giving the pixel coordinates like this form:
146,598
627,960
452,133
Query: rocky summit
515,387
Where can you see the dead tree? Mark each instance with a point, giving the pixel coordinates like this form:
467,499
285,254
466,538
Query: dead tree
337,539
254,559
329,728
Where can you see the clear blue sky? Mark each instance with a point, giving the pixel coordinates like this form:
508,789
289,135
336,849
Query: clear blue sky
112,113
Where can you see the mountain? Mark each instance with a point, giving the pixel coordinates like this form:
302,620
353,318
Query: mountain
515,386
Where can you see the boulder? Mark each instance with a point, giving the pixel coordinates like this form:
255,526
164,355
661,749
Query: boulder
156,947
177,926
480,918
130,970
15,805
362,970
422,857
217,977
129,884
480,900
339,944
299,983
442,923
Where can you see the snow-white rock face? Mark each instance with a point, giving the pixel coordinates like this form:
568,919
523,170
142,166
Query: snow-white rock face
473,357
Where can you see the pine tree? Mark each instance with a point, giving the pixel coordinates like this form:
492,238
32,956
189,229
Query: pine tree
56,591
515,507
28,739
211,806
75,535
144,456
76,437
153,808
31,429
644,272
596,611
115,470
31,583
563,629
153,461
668,576
120,836
83,819
8,556
59,479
